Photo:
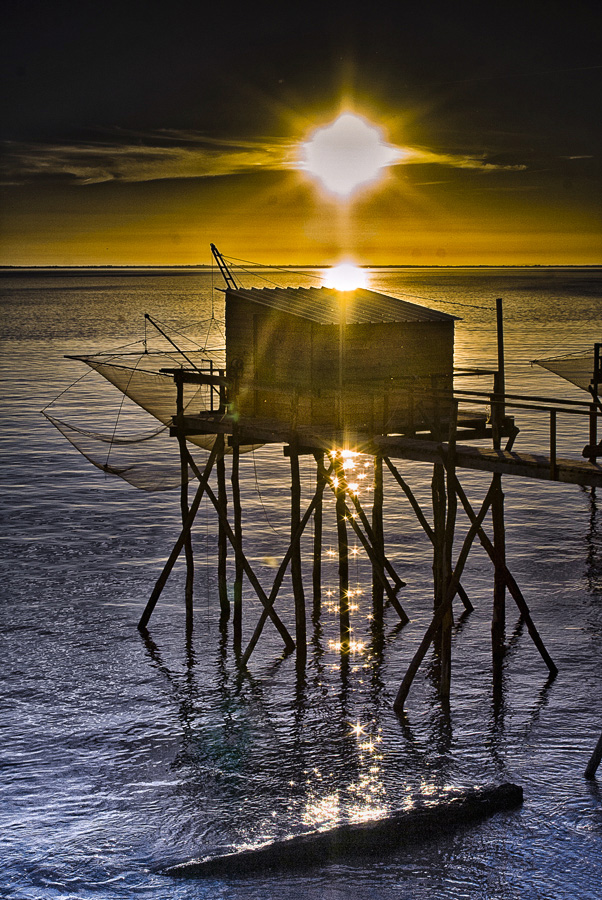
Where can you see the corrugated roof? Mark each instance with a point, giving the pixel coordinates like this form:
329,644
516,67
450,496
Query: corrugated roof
323,305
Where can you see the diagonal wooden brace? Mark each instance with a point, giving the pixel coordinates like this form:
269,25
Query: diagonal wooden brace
282,569
443,606
510,582
288,641
374,558
414,503
423,521
203,477
370,535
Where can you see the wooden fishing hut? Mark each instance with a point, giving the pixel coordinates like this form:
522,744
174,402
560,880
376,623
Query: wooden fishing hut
320,372
318,358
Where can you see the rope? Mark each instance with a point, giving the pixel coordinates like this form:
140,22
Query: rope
123,396
58,397
233,259
435,300
265,512
574,354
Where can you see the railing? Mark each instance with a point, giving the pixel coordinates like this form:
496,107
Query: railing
499,402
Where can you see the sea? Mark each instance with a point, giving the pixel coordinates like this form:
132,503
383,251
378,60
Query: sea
122,754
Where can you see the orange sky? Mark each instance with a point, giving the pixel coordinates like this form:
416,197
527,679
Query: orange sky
281,218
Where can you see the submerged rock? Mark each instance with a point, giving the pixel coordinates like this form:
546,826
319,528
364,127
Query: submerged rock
373,838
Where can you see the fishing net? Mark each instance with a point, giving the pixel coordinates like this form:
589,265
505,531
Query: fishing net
150,459
142,380
578,368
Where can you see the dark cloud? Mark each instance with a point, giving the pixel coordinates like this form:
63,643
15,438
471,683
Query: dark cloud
172,155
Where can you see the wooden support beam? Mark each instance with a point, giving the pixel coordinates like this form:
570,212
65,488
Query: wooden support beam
442,637
188,541
498,621
448,545
222,541
413,502
318,529
339,486
423,521
184,501
510,584
282,568
365,542
593,431
296,571
378,541
238,554
203,477
386,564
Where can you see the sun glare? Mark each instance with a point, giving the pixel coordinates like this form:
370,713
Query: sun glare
345,277
347,154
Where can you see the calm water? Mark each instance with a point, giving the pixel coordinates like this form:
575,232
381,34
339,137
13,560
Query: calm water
121,756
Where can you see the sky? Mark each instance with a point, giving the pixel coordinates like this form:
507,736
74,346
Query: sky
136,133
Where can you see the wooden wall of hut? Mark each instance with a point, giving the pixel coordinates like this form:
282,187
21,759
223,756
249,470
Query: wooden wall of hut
288,368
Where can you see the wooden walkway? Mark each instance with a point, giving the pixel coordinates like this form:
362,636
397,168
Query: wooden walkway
503,462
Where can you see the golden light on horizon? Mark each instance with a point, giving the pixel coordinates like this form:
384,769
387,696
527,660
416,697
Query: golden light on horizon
346,155
345,277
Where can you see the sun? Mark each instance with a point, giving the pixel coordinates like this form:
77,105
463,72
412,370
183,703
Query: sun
347,154
345,277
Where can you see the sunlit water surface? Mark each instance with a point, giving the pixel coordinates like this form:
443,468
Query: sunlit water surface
120,756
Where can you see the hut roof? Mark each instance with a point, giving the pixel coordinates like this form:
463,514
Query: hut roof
323,305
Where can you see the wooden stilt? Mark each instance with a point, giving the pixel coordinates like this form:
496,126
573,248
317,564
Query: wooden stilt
595,760
238,554
222,542
318,528
203,486
439,569
439,501
498,621
187,544
184,502
448,544
343,547
379,542
296,572
423,521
